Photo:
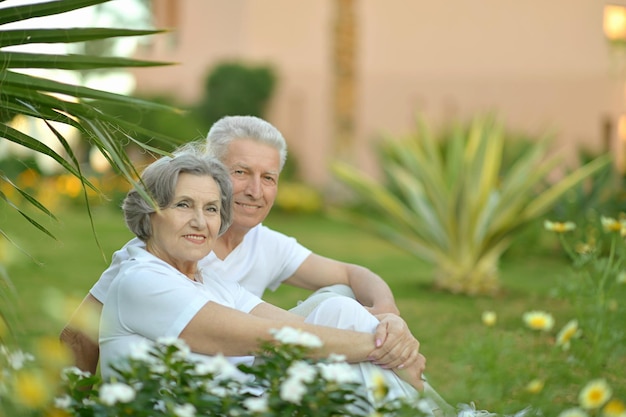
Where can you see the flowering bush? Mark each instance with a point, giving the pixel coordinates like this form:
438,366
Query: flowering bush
162,379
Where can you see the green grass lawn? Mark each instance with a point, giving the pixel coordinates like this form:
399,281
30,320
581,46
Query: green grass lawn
466,360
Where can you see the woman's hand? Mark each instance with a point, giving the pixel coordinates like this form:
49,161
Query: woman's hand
395,345
413,374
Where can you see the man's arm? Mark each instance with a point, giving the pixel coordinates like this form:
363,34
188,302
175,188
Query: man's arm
370,289
80,334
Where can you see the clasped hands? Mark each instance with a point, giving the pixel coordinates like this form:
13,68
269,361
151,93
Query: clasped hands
397,349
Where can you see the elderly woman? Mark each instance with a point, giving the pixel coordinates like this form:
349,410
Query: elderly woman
160,291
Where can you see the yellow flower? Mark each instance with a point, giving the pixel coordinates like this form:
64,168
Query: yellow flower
31,389
573,412
567,333
535,386
380,386
538,320
559,227
489,318
584,248
55,412
594,394
609,224
614,408
53,353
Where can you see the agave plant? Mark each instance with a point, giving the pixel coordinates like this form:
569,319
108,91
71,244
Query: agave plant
456,206
53,101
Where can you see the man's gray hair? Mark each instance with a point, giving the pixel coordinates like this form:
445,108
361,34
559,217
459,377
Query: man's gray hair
230,128
160,179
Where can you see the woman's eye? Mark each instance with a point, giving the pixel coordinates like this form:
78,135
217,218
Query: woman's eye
213,209
182,204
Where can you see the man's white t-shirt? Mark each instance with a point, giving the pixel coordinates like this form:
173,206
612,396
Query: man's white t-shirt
264,259
150,299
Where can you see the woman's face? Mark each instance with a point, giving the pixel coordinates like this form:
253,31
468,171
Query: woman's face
185,231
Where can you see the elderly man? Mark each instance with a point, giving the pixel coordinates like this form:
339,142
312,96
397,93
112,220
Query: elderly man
257,257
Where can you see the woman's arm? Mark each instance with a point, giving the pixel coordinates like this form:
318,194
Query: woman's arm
80,334
218,329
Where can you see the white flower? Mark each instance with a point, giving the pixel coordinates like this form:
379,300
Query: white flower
292,390
168,341
335,357
18,358
559,227
291,336
567,333
489,318
141,351
217,365
594,394
212,386
63,402
573,412
340,373
158,368
256,404
538,320
186,410
116,392
73,370
160,406
302,371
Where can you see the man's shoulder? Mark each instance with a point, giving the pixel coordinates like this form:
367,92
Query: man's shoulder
263,231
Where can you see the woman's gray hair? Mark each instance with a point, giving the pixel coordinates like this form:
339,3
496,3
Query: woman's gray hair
160,179
229,128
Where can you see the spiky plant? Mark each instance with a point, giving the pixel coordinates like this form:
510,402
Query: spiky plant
456,206
73,105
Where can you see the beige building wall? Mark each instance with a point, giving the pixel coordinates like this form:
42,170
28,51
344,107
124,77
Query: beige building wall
538,64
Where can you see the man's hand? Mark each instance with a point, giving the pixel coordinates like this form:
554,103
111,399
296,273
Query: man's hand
396,348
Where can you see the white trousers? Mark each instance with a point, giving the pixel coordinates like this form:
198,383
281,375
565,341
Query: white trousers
334,307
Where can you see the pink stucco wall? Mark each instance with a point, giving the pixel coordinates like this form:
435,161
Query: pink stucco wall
539,64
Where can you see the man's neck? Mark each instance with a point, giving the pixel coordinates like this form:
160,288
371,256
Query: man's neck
227,242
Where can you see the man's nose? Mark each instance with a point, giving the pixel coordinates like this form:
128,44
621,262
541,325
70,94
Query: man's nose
253,188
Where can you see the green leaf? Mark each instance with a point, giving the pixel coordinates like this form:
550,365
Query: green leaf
66,35
28,11
69,61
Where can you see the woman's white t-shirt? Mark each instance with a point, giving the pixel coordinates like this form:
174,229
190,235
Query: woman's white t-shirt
150,299
264,259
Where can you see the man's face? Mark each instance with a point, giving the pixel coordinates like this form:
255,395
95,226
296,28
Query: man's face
254,169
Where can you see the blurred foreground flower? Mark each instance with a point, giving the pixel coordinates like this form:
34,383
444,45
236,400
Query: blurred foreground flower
559,227
165,380
595,394
567,333
535,386
573,412
610,224
296,337
489,318
538,320
614,408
